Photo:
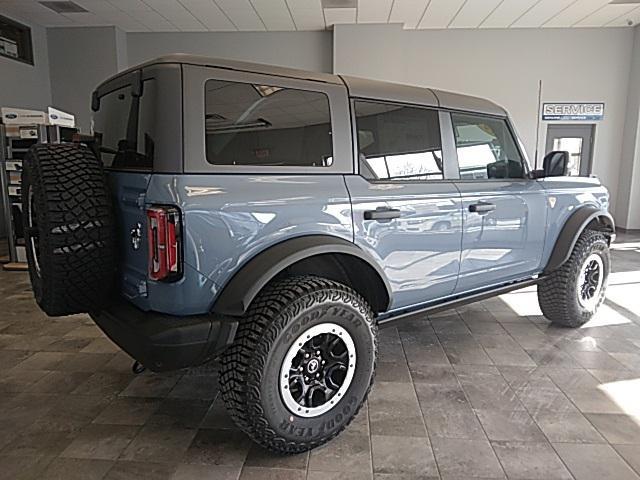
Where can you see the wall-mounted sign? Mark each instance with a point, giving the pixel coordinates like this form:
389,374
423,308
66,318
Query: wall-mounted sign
573,111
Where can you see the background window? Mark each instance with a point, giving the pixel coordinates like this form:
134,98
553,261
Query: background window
15,40
398,143
264,125
486,148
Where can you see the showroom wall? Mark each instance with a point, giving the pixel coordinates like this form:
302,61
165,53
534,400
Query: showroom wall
26,86
504,65
81,58
23,85
628,211
590,65
305,50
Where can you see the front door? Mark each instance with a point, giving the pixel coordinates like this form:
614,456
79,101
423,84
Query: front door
504,212
578,141
406,213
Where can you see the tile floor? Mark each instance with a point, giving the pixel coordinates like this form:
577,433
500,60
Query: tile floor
488,391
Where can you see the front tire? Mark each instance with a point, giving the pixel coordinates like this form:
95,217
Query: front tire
302,363
571,295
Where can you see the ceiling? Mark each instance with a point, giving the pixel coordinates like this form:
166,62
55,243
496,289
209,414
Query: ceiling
289,15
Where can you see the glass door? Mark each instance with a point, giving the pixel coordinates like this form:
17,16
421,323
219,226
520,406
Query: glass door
578,141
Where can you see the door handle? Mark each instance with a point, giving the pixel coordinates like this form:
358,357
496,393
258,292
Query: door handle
482,208
382,214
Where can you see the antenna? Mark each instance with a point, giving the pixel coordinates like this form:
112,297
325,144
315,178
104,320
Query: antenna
538,122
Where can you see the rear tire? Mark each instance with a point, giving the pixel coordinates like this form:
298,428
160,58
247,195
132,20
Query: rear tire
283,348
69,229
571,295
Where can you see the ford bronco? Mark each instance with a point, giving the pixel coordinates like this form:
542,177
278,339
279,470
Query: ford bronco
276,218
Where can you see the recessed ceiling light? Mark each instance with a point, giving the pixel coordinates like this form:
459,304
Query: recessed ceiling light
64,7
339,3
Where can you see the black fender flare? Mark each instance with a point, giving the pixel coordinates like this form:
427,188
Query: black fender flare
573,228
250,279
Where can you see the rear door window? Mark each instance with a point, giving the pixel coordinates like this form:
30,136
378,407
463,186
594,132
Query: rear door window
266,125
397,142
124,126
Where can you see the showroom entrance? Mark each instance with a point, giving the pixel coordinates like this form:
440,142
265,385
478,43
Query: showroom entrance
578,141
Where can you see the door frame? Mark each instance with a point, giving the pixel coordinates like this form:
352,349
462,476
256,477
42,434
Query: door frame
592,140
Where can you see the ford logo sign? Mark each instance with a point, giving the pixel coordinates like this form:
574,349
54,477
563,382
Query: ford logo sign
11,115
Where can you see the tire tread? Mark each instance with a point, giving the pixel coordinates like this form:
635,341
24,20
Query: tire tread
244,361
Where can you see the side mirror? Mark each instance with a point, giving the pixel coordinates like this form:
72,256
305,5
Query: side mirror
556,164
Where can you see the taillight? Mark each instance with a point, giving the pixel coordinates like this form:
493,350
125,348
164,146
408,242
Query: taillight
163,224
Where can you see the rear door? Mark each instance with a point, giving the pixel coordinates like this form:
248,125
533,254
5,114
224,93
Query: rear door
406,212
126,126
504,212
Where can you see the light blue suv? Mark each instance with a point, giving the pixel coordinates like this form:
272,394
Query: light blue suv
277,218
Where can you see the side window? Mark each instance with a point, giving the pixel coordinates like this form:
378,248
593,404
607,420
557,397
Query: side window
262,125
486,148
398,143
118,112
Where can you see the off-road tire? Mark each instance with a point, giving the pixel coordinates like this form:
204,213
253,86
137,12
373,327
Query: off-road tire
74,266
250,367
558,292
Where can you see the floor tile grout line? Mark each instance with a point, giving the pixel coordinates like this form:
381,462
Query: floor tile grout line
525,408
584,415
415,392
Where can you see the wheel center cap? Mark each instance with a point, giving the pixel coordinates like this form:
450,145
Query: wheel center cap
313,365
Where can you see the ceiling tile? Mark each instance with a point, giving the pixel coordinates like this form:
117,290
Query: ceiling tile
440,13
129,5
339,15
25,6
408,12
164,5
541,13
374,11
287,15
507,12
175,13
605,15
124,21
274,14
152,20
242,14
307,14
209,14
575,12
87,19
96,6
473,13
47,19
622,21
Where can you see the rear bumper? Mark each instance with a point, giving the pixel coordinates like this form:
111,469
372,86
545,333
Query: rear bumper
166,342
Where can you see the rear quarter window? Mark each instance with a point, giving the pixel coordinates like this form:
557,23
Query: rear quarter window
265,125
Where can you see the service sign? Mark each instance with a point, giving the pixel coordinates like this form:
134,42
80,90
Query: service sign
573,111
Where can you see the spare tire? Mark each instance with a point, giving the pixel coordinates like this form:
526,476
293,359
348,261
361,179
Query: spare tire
69,229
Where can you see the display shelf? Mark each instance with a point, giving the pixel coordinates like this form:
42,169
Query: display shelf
13,148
